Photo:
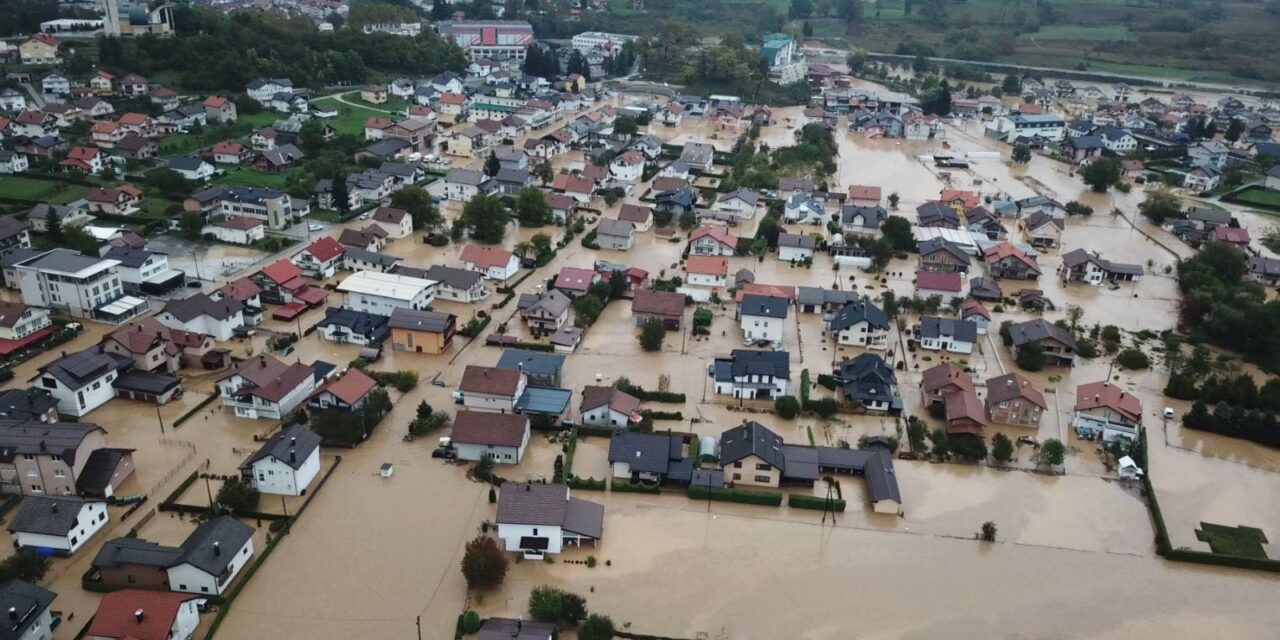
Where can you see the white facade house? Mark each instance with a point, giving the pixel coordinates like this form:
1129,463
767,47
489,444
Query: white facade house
65,279
213,560
706,271
493,262
501,437
12,162
285,464
462,185
237,230
762,318
382,293
794,247
540,519
490,389
627,166
752,374
202,314
1015,126
947,334
59,524
265,387
82,381
741,203
860,324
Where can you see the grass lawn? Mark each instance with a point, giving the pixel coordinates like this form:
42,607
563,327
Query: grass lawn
1233,541
41,190
155,206
1079,32
392,104
350,119
1256,196
250,178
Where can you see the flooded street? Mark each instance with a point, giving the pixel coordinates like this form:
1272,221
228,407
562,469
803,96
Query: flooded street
1074,559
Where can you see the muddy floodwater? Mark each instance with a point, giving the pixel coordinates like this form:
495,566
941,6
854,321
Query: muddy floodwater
372,555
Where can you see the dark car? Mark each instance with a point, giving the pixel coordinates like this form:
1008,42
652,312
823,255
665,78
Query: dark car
436,239
442,452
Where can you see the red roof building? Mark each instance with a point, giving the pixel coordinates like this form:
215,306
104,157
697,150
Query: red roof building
143,614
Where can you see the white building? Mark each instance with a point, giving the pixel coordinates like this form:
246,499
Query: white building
492,389
82,381
12,162
237,230
59,524
608,407
286,463
83,286
540,519
202,314
795,247
495,263
762,318
264,89
1012,127
172,616
382,293
589,41
861,324
265,387
947,334
145,271
741,203
212,557
501,437
462,184
752,374
706,271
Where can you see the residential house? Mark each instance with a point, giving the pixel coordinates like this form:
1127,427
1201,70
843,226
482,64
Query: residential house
617,235
82,381
575,282
355,327
22,325
712,240
964,413
938,254
985,288
1209,153
1264,270
869,382
862,220
819,300
761,375
579,188
421,331
85,160
640,217
1043,230
265,387
1058,344
58,525
120,201
540,519
82,286
220,110
200,313
459,285
462,184
370,238
864,196
397,223
237,230
937,214
500,437
231,153
546,312
947,334
40,49
741,203
145,271
981,222
939,381
382,293
805,209
706,271
191,168
493,262
12,162
762,318
944,284
30,616
1202,178
207,562
861,324
628,166
698,155
677,202
647,457
664,306
1104,410
1012,399
155,347
1083,150
143,614
794,247
608,407
1007,261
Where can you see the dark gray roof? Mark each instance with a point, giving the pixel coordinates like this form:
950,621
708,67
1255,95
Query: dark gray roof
797,240
20,437
28,602
129,256
398,169
121,551
453,277
867,377
146,382
935,327
17,255
984,287
291,445
1085,142
742,362
766,306
819,296
871,216
531,362
185,163
616,228
1040,218
200,551
99,470
63,260
416,320
508,629
1037,330
656,453
83,367
386,147
201,304
933,211
856,312
550,505
364,255
1211,216
372,326
752,438
464,176
48,516
934,244
25,404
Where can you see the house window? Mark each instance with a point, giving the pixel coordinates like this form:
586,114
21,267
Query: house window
763,479
760,466
204,589
35,488
59,473
737,476
130,579
737,465
182,587
74,541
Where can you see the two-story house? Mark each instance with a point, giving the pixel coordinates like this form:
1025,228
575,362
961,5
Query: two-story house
762,318
491,388
1105,410
265,387
286,463
860,324
1012,399
752,374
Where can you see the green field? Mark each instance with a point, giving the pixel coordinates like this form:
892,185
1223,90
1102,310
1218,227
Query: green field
1079,32
1233,541
41,190
1256,196
250,178
351,118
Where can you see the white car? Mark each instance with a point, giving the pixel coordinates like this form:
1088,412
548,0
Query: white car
315,227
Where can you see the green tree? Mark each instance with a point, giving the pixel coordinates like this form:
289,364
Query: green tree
1077,208
897,230
800,8
543,172
53,226
1160,205
1021,154
787,407
1031,356
532,209
625,126
541,243
585,311
807,29
487,218
1234,130
25,564
169,182
596,627
471,622
192,224
237,495
341,196
550,604
1002,448
652,333
1011,85
484,563
1101,174
968,446
1133,359
492,165
417,202
1051,454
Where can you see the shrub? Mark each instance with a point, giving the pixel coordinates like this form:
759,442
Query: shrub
1051,454
988,532
403,381
549,604
596,627
826,381
1031,357
24,564
661,415
237,495
1133,358
787,407
484,563
471,621
802,501
744,496
652,333
1002,448
823,407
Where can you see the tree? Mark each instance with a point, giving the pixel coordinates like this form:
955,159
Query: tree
938,438
1021,153
532,209
1011,85
1077,208
1051,454
652,333
897,230
53,225
1074,313
800,8
168,182
334,18
1133,359
471,621
237,495
484,563
585,311
893,200
492,165
25,564
787,407
487,219
549,604
596,627
1160,205
1101,174
807,29
543,172
988,532
418,203
541,243
625,126
1234,130
968,446
192,224
1031,356
1002,448
341,197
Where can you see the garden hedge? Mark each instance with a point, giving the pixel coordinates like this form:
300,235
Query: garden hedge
743,496
801,501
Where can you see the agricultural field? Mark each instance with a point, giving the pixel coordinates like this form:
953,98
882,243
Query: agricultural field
41,190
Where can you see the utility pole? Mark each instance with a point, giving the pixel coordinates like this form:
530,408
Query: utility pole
419,623
160,419
208,490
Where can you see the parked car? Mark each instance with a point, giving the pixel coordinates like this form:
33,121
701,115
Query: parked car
315,227
442,452
457,397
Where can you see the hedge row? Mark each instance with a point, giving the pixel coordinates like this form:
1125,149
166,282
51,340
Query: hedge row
744,496
662,415
586,484
652,396
187,416
532,346
829,382
592,430
801,501
635,487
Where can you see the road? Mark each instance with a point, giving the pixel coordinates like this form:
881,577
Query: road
838,55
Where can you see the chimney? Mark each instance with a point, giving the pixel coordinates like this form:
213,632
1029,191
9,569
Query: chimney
137,615
519,625
217,548
293,455
13,614
43,447
293,440
54,507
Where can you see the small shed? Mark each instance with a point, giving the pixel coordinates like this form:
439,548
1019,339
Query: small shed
387,469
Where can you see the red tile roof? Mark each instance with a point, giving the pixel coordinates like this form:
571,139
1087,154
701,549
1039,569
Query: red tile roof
969,198
1231,234
243,223
325,249
117,614
490,380
770,290
242,289
133,119
1096,395
939,281
349,387
486,257
940,376
282,271
573,184
453,98
709,265
574,279
1005,250
648,302
719,233
228,148
864,192
498,429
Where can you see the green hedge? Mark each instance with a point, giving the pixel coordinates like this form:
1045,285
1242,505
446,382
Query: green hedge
177,493
662,415
635,487
652,396
532,346
194,410
804,387
744,496
592,430
827,381
586,484
802,501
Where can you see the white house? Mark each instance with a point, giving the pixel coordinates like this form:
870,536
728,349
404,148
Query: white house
13,162
1107,411
145,271
712,240
804,209
83,286
396,222
166,615
608,407
202,314
212,556
795,247
237,230
492,389
60,525
741,203
752,374
501,437
947,334
321,258
627,166
286,463
861,324
493,262
462,184
81,382
617,235
540,519
264,89
382,293
706,271
762,318
265,387
192,168
1202,178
